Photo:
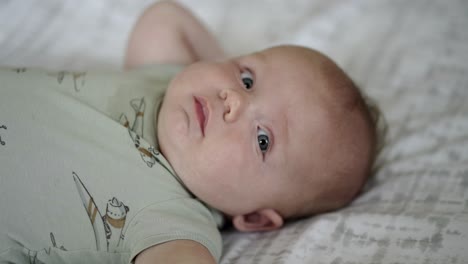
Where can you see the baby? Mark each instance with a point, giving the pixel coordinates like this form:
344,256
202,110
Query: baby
257,140
275,135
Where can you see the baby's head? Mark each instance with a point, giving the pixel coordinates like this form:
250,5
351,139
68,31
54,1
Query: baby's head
278,134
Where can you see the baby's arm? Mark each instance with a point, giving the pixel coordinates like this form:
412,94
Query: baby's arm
177,251
168,33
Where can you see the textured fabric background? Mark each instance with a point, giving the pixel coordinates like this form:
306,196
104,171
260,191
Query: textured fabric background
410,56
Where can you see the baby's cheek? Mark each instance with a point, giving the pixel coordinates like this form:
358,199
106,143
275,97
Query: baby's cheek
227,154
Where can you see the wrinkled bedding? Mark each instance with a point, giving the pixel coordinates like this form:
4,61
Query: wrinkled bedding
410,56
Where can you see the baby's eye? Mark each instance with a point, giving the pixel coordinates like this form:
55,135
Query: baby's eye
247,79
263,140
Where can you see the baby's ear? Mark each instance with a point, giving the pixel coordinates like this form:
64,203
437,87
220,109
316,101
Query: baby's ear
262,220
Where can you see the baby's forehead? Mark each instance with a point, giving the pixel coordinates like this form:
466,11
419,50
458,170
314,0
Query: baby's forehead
293,54
312,64
278,53
310,126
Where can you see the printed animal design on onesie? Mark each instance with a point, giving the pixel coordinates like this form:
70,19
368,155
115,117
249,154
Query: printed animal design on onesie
116,214
19,70
54,244
75,75
1,141
32,254
108,228
147,152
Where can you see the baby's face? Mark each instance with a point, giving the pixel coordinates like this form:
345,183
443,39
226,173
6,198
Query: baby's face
242,133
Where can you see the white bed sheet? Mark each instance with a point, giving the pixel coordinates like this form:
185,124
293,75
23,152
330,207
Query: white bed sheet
411,56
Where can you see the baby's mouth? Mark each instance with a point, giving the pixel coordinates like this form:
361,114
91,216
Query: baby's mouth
202,113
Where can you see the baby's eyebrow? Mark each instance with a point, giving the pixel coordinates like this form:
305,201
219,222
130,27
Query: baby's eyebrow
286,129
261,56
254,58
281,137
277,135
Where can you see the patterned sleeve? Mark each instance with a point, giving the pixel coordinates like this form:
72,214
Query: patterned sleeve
172,220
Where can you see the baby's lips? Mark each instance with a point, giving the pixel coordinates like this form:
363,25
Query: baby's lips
202,113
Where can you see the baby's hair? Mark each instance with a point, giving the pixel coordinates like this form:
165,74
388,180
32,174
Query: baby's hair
379,124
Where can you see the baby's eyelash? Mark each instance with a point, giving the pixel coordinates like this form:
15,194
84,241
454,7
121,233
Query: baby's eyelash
247,79
264,141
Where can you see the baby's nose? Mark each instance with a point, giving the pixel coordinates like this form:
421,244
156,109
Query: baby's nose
234,104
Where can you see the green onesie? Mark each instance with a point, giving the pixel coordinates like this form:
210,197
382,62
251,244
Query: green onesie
81,177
